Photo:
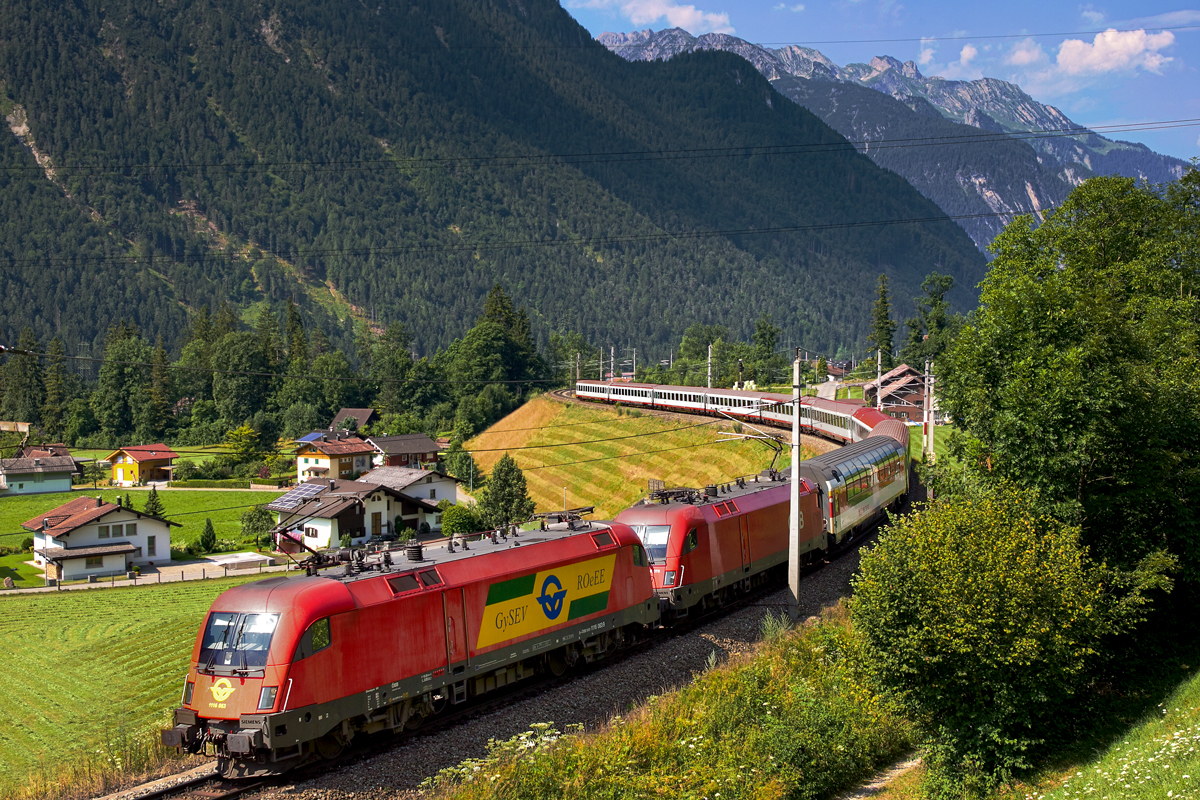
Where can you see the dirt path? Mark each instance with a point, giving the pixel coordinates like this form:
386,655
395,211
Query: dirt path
882,780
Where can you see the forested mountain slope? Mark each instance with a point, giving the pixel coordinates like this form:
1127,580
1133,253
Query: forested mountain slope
166,156
939,129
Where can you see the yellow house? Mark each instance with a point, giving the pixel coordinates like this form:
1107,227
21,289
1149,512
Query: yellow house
140,464
332,455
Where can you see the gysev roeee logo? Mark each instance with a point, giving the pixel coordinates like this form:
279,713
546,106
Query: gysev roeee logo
537,601
221,689
552,597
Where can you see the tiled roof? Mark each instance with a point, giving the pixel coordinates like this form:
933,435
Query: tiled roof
77,513
400,477
361,416
62,553
16,466
405,444
913,381
145,452
341,447
891,375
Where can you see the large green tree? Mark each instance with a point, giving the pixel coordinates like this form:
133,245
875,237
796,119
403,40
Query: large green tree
238,384
883,327
23,390
505,499
55,399
122,383
1079,373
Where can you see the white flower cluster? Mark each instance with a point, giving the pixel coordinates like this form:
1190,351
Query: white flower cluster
1162,767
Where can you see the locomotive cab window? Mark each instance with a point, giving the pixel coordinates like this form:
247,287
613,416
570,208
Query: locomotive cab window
654,537
237,640
691,541
315,639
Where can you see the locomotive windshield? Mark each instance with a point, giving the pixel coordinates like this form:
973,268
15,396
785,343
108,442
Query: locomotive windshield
237,641
654,537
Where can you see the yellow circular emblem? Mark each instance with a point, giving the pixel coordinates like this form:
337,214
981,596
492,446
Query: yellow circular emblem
221,690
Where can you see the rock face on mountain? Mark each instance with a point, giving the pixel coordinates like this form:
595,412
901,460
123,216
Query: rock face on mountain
983,150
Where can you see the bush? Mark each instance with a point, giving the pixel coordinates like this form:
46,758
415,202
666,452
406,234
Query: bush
185,471
406,535
982,616
460,519
27,544
208,537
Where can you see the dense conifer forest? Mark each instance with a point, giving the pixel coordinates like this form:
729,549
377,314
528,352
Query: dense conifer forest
378,165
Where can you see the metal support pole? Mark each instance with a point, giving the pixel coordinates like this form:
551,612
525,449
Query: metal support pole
794,518
879,380
612,361
932,417
710,366
925,411
578,366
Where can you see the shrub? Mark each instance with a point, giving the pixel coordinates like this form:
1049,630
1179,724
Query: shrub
27,544
185,470
406,535
460,519
208,537
982,616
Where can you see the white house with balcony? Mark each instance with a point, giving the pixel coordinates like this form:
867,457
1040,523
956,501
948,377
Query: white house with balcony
89,537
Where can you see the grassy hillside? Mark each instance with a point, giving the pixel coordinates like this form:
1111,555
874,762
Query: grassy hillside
612,475
88,677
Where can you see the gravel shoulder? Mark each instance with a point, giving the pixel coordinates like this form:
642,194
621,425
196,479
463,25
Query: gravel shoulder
589,700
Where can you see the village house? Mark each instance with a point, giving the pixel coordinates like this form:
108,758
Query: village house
36,475
353,419
426,485
903,393
408,450
340,456
319,512
142,464
88,537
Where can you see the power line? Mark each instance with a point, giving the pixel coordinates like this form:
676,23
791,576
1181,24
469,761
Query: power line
617,156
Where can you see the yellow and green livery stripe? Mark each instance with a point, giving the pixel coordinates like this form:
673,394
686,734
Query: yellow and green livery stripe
531,603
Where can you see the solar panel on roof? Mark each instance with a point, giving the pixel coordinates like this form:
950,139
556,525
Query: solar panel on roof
310,437
298,495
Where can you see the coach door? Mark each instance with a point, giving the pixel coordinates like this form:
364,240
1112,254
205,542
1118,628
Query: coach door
453,605
744,527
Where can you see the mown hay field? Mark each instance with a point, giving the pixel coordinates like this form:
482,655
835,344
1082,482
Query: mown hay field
579,447
88,677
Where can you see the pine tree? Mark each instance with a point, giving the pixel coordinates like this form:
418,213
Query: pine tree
883,327
54,381
23,382
822,370
506,499
158,405
154,505
267,328
225,322
297,341
208,538
201,327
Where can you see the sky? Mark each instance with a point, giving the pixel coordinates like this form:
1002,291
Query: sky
1099,63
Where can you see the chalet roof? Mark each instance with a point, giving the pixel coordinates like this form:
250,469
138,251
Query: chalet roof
325,498
44,464
362,418
896,373
42,450
404,444
332,445
79,512
145,452
67,553
913,382
400,478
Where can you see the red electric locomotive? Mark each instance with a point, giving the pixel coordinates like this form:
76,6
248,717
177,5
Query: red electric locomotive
705,547
290,669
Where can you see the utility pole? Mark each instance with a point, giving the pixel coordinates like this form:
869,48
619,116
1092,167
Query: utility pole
925,411
932,416
710,366
612,361
578,366
879,380
741,383
795,521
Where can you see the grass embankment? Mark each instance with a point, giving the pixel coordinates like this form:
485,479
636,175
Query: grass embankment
612,475
793,719
87,679
189,508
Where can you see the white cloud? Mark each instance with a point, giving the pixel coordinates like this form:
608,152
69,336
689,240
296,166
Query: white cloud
968,53
1167,20
647,12
1115,51
1025,53
1089,13
796,9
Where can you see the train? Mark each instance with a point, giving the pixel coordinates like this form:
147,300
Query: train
287,671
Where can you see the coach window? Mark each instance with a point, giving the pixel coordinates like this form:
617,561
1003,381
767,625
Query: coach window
315,639
691,542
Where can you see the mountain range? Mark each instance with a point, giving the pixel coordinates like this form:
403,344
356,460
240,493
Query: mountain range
980,147
381,162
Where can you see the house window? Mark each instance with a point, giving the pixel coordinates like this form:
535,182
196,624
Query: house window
310,533
437,519
433,494
103,534
131,529
116,531
93,562
150,551
306,461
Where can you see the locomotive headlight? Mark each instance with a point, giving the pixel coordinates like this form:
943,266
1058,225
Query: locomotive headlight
669,578
188,688
266,698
